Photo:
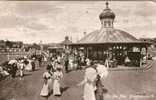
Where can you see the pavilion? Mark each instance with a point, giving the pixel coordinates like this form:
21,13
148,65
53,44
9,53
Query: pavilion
58,48
108,42
66,42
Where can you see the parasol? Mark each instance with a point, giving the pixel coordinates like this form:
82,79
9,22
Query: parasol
102,70
12,62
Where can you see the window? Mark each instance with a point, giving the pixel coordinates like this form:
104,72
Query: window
109,23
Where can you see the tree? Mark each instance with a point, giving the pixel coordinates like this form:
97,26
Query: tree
9,44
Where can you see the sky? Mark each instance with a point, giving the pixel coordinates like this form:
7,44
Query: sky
51,21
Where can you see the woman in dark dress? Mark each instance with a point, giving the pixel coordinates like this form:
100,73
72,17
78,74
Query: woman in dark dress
14,70
66,64
33,64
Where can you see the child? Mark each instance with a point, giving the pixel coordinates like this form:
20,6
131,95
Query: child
99,89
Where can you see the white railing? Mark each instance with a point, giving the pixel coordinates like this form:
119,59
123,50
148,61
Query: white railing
5,56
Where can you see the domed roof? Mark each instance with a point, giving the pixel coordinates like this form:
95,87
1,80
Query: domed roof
66,41
107,13
108,36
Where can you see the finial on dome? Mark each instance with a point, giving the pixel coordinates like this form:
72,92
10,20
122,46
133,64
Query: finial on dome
107,4
107,12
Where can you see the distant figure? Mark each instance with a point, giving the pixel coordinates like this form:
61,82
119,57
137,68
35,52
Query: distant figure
88,62
40,60
82,61
127,61
56,85
149,57
33,64
79,62
59,59
71,64
13,70
59,65
21,68
107,63
66,64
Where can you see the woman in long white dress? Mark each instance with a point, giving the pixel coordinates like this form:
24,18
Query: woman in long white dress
71,63
21,68
56,85
47,76
89,84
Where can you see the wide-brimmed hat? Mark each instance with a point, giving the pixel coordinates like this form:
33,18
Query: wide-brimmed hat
12,62
90,74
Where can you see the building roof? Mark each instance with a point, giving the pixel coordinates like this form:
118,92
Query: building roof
54,45
108,36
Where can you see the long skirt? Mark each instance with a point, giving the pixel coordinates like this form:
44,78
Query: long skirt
50,85
71,66
56,88
45,90
89,92
21,73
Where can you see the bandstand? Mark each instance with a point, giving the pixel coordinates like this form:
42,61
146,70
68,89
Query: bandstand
108,42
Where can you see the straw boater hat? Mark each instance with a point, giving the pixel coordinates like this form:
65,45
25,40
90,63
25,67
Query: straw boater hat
90,74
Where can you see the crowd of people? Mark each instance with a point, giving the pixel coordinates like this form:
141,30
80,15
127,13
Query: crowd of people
52,77
18,66
94,72
56,66
75,62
